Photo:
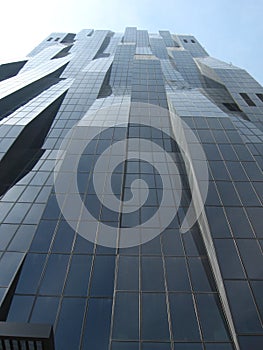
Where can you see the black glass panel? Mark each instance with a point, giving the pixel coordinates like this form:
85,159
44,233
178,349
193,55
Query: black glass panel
97,328
54,277
71,313
126,316
154,317
229,260
176,273
20,308
45,310
212,321
103,276
152,274
31,273
78,276
128,273
239,294
184,322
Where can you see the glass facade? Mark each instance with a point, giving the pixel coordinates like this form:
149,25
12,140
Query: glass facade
131,195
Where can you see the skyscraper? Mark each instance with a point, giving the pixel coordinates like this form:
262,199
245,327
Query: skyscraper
131,196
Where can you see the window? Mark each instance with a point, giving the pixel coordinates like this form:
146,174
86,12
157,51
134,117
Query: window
193,41
260,96
247,99
185,41
57,39
233,107
49,39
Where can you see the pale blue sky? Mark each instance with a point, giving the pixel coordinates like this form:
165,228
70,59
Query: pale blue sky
230,30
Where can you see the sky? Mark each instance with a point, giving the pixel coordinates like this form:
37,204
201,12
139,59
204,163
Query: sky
230,30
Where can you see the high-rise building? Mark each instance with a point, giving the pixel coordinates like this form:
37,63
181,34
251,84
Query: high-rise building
131,196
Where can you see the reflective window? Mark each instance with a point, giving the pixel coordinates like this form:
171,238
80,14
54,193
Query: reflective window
78,276
20,308
250,342
252,257
71,313
201,276
257,287
239,295
9,264
43,236
154,317
156,346
152,274
192,346
229,260
184,322
55,272
45,310
103,276
128,273
126,316
64,238
31,273
212,321
176,273
124,346
97,327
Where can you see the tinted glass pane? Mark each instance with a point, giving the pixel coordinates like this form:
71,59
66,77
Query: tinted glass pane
103,276
156,346
43,236
126,316
124,346
78,276
184,323
64,238
239,222
219,346
192,346
22,238
212,321
201,275
45,310
154,317
128,273
55,274
152,274
252,342
229,261
176,274
31,273
97,328
171,241
71,313
246,319
257,287
9,264
152,248
20,308
217,222
6,234
252,257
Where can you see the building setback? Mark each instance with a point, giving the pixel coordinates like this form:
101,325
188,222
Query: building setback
131,196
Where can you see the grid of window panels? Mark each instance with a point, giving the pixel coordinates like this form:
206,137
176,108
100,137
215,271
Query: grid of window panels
162,294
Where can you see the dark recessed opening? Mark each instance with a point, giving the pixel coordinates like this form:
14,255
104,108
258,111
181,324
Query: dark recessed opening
260,96
247,99
49,39
185,41
193,41
233,107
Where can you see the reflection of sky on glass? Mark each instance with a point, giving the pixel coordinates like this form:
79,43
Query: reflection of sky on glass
229,30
